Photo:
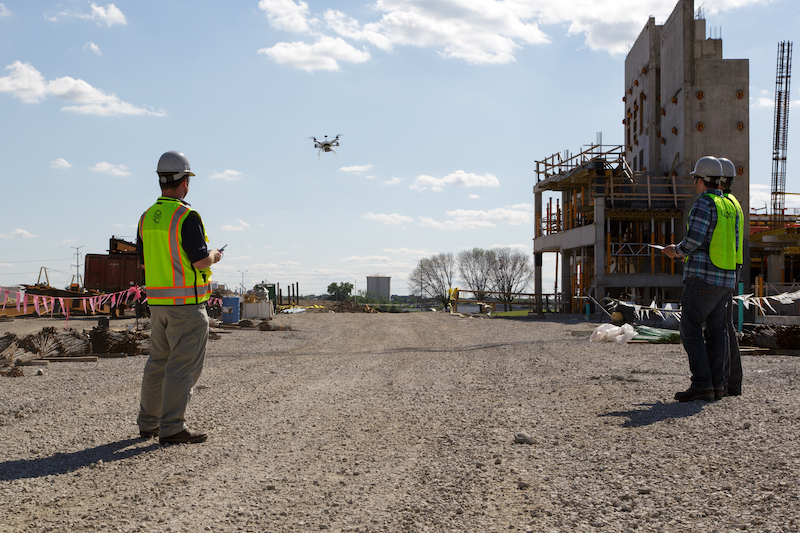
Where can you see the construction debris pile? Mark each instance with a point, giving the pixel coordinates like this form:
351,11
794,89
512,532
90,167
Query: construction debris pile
348,306
776,337
105,340
59,343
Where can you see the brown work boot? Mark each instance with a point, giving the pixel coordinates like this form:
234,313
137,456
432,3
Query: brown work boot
184,437
691,394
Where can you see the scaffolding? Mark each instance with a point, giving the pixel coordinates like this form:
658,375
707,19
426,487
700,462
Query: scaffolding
780,133
605,223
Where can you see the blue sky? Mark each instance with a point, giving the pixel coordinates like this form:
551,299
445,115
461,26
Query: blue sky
444,107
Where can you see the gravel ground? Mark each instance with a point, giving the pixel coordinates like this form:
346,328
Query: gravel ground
405,422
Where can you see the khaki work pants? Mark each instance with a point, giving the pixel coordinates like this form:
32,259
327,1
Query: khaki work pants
178,339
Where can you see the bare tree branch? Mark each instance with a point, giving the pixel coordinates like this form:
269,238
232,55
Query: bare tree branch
512,273
433,277
477,269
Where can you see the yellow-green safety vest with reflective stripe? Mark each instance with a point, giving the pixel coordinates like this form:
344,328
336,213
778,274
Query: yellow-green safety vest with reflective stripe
722,250
170,277
740,243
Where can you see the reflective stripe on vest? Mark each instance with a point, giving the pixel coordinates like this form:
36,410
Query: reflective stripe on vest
740,243
170,277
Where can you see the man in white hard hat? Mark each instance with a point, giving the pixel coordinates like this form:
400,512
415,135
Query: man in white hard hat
172,242
709,276
733,360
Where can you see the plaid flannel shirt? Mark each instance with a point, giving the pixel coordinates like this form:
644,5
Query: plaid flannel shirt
695,245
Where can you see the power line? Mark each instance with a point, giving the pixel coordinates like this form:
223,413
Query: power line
33,261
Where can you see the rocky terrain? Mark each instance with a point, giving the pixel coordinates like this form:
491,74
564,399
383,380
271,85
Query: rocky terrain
418,422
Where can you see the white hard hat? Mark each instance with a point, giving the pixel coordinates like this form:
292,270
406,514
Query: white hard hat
173,166
728,169
708,168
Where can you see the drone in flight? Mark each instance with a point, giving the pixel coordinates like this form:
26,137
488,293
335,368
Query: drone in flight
326,145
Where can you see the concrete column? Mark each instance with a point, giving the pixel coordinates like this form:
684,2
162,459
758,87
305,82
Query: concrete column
600,238
775,263
566,279
537,257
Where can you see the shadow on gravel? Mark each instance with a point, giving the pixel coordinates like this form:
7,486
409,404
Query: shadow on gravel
62,463
657,412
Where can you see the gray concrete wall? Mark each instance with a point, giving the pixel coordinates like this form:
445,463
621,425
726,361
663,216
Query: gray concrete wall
642,144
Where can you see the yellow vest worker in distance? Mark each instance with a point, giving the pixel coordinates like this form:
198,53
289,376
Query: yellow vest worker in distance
172,244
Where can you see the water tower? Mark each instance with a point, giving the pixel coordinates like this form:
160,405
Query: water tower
380,286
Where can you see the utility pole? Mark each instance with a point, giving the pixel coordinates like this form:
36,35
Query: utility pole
78,265
243,272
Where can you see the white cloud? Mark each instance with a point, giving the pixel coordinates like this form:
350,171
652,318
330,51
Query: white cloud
393,181
241,227
452,225
107,16
287,15
29,86
760,195
60,163
482,31
227,175
476,31
4,11
471,218
112,170
410,252
17,233
766,100
366,258
356,168
93,47
474,196
389,219
325,54
104,16
459,178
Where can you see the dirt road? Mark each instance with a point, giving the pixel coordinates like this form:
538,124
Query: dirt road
406,422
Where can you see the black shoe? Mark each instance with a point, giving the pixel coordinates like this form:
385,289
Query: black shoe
184,437
148,433
691,394
719,394
735,390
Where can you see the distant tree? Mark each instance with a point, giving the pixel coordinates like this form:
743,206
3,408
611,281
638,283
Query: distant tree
477,269
433,277
340,291
512,273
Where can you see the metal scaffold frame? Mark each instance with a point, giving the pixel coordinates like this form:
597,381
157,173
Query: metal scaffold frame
781,129
629,210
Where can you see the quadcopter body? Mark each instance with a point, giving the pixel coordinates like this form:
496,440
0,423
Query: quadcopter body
326,145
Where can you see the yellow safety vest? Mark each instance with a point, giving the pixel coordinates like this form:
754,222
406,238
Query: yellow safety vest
170,277
739,244
722,250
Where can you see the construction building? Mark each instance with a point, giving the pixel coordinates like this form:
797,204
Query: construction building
681,101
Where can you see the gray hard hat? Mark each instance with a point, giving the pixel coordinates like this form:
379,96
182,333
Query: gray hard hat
708,168
728,169
173,166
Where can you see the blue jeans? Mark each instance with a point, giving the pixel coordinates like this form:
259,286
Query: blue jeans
704,303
